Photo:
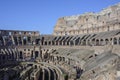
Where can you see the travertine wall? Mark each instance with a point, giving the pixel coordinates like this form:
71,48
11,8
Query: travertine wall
106,20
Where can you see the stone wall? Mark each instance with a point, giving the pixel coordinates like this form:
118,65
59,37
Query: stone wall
105,20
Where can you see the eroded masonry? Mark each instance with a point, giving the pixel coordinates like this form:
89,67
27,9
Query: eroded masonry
82,47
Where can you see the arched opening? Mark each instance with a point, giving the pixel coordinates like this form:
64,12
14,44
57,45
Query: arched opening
19,40
37,41
71,43
41,75
46,74
21,55
84,42
42,40
52,76
53,43
57,58
63,42
29,39
93,41
106,41
56,42
97,42
60,42
36,54
45,42
67,42
63,58
66,77
32,54
15,40
101,42
115,41
24,40
49,43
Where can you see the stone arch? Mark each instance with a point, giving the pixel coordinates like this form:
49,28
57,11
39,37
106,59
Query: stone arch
29,39
52,77
115,41
101,41
21,55
63,58
41,74
45,42
42,40
93,41
4,55
53,43
60,58
46,74
49,43
37,41
97,42
24,40
32,54
36,54
57,58
106,41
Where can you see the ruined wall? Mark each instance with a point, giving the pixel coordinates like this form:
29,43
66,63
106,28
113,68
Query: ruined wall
105,20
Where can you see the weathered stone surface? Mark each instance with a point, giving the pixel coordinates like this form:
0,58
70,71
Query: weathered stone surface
92,22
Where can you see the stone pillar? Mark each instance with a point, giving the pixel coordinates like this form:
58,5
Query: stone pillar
12,39
69,43
34,52
4,41
39,55
54,74
22,40
17,54
86,42
26,40
23,57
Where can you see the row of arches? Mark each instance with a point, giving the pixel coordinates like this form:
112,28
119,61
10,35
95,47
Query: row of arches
89,30
8,54
33,55
98,39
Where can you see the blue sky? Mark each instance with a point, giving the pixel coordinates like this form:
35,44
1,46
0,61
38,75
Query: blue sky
42,15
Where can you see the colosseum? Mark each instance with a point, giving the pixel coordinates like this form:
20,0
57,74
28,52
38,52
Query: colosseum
82,47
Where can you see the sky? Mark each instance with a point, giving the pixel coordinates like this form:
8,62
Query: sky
42,15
